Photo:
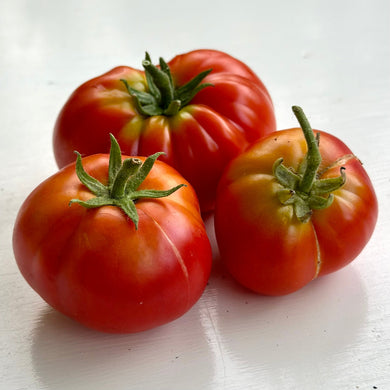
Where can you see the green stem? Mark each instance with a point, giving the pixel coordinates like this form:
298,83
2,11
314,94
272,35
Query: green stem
124,179
162,82
313,156
173,108
302,188
163,97
129,167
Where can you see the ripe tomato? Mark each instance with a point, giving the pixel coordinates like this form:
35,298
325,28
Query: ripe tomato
186,66
200,127
116,259
288,211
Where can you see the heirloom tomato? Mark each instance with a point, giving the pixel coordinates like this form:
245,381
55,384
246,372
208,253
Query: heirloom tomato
201,109
292,207
116,243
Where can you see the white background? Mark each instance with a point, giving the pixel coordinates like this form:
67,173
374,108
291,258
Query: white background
330,57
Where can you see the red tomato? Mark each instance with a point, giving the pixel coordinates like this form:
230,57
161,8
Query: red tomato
199,127
93,264
277,225
186,66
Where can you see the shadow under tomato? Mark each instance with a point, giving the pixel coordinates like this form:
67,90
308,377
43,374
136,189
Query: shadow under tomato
282,338
67,355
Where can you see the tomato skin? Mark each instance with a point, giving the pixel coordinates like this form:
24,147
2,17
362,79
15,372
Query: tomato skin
103,105
186,66
96,108
245,104
261,241
93,266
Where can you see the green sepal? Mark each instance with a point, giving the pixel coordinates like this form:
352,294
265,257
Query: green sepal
90,182
302,188
188,91
141,173
162,81
115,161
141,194
325,186
130,210
317,202
91,203
284,175
302,209
154,91
163,97
124,179
146,103
165,68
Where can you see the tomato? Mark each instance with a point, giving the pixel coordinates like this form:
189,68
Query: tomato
291,208
199,126
116,254
186,66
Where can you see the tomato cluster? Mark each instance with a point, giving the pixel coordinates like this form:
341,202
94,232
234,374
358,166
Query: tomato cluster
201,109
118,242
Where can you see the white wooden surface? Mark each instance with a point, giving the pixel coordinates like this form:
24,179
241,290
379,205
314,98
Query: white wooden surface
332,58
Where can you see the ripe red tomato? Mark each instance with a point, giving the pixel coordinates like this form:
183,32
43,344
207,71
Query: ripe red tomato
126,261
186,66
166,108
282,223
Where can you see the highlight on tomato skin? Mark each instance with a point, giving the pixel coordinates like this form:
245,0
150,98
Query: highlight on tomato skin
115,242
202,108
295,206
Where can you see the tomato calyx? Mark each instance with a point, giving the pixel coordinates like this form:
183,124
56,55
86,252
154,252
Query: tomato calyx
163,97
302,188
124,178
